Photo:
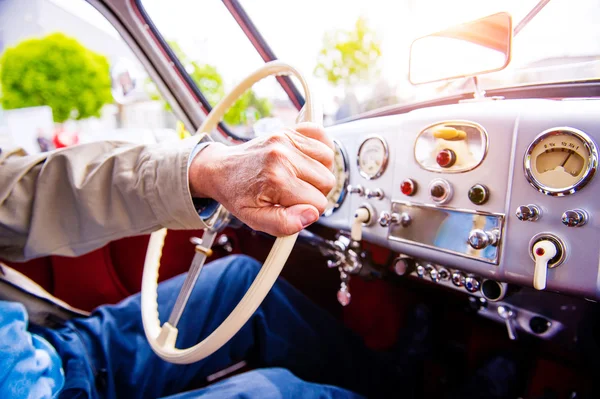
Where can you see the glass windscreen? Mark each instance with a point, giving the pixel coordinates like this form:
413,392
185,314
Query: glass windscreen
217,55
359,50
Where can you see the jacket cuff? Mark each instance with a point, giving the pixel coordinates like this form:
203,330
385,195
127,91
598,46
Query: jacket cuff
166,178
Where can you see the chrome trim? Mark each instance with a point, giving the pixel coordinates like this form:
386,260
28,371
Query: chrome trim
454,122
386,157
590,170
501,217
346,175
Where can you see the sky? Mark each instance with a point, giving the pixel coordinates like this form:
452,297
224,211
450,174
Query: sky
294,29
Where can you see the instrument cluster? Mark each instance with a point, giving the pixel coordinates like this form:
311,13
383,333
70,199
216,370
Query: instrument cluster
502,190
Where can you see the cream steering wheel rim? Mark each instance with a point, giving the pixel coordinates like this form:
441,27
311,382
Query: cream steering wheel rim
162,338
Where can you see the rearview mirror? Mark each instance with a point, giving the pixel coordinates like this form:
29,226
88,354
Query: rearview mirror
468,49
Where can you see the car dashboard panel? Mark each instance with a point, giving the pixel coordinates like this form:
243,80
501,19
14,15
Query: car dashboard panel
484,188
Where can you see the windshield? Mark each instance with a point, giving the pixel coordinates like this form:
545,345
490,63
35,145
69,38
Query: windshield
358,50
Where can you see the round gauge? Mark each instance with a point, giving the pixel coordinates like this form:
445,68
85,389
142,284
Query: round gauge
373,157
561,161
336,196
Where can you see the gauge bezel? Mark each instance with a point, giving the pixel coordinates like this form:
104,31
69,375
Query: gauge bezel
588,143
464,122
346,174
386,157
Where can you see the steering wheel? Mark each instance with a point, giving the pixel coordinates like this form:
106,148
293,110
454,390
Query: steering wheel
162,338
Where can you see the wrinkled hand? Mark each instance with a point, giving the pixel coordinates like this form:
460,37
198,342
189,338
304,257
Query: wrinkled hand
276,183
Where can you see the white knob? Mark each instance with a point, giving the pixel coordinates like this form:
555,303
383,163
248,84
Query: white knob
543,251
362,215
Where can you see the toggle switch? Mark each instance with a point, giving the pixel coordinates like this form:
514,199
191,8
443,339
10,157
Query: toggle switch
543,252
361,216
509,316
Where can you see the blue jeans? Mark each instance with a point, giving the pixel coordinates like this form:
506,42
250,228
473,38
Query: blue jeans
299,349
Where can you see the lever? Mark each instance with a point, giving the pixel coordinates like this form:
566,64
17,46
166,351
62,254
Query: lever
543,252
362,215
508,316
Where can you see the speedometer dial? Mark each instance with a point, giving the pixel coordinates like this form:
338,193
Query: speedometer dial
336,196
561,161
373,157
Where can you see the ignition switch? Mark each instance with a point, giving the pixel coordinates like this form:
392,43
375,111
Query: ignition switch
548,251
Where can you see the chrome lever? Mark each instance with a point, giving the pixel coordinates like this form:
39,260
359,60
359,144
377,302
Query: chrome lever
509,317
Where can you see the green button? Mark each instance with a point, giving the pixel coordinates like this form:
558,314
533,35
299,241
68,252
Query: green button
479,194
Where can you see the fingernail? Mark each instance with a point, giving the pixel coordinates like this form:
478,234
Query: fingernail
307,217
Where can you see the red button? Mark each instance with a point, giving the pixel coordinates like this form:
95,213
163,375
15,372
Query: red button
408,187
446,158
540,251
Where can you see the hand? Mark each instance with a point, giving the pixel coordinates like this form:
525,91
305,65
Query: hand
276,183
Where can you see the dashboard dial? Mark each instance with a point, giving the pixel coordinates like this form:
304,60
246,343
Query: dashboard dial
336,196
373,157
561,161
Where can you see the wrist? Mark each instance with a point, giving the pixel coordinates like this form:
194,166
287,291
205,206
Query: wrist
202,170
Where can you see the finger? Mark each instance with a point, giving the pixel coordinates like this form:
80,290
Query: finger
314,173
282,221
300,192
312,148
315,131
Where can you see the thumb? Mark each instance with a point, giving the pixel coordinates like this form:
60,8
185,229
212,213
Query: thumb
284,221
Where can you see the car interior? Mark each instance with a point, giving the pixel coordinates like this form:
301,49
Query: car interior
479,202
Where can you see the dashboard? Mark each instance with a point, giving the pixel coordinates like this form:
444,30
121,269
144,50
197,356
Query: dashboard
489,192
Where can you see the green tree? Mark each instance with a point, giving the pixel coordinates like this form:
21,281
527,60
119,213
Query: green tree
209,81
57,71
349,57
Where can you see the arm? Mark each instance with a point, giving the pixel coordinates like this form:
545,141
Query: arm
74,200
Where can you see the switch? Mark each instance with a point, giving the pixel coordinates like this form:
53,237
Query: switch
403,265
361,216
377,194
386,219
458,278
472,284
440,191
528,213
509,316
446,158
479,194
358,190
480,239
575,218
408,187
543,252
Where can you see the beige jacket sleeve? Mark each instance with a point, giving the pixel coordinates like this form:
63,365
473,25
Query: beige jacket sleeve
74,200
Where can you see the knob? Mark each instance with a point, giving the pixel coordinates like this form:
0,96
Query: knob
403,265
361,216
575,218
479,194
386,219
480,239
509,316
408,187
458,278
377,194
472,284
440,191
446,158
358,189
543,252
528,213
443,273
420,271
434,275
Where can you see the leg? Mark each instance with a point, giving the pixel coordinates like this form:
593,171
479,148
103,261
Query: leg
286,331
271,383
